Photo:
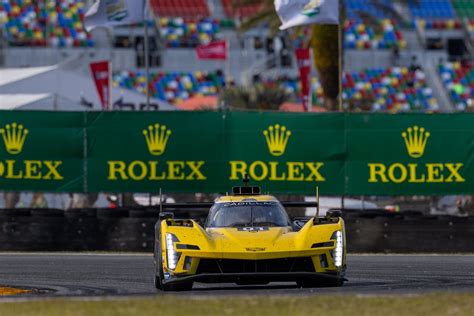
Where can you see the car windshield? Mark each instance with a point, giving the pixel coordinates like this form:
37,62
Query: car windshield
248,214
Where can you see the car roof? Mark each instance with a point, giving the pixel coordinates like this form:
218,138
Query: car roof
246,198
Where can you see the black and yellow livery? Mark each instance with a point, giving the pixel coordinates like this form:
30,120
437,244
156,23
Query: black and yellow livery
248,238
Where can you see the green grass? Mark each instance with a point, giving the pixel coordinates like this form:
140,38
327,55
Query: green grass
432,304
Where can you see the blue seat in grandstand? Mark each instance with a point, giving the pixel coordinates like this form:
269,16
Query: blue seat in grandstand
432,9
354,7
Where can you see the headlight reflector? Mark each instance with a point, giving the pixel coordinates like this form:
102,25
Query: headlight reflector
171,255
338,252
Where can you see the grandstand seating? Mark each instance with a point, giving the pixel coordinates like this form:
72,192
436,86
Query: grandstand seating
171,87
360,36
448,24
231,9
470,28
464,8
180,8
178,32
458,78
432,9
354,7
393,89
57,23
388,90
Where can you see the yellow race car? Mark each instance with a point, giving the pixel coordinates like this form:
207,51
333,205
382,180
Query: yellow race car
248,238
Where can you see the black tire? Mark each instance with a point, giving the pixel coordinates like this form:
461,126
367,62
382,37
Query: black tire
158,265
159,275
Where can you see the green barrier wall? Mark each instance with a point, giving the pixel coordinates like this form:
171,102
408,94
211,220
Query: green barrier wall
354,154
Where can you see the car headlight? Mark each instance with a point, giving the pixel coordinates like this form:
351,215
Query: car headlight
171,255
338,252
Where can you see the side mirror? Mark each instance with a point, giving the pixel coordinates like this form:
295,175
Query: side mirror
334,213
166,215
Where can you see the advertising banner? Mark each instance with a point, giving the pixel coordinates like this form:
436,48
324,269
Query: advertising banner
410,154
111,13
209,152
215,50
101,74
42,151
303,56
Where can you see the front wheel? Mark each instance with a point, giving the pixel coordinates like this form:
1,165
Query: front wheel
159,275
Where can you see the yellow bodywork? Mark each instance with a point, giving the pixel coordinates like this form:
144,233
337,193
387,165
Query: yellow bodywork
232,243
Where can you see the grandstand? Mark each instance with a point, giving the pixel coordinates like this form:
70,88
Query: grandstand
378,58
172,87
459,80
44,23
179,32
360,36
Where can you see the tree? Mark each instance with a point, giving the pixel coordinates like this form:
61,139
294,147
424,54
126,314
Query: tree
324,39
256,97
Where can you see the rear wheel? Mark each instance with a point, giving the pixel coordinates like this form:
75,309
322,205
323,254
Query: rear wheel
159,276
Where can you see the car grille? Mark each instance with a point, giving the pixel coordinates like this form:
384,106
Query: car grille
250,266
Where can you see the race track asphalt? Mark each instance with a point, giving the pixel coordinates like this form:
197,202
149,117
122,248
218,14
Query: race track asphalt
109,274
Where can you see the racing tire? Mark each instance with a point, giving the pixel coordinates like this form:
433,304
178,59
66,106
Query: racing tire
159,276
157,282
158,266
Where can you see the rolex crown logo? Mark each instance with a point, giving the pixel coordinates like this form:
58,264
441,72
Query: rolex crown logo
277,138
156,138
415,140
14,137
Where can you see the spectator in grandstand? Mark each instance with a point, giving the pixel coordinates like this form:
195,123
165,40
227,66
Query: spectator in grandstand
38,201
414,66
11,199
113,201
81,200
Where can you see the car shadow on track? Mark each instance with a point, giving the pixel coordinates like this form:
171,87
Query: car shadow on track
234,287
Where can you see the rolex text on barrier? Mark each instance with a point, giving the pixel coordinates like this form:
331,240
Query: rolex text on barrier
357,154
41,151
